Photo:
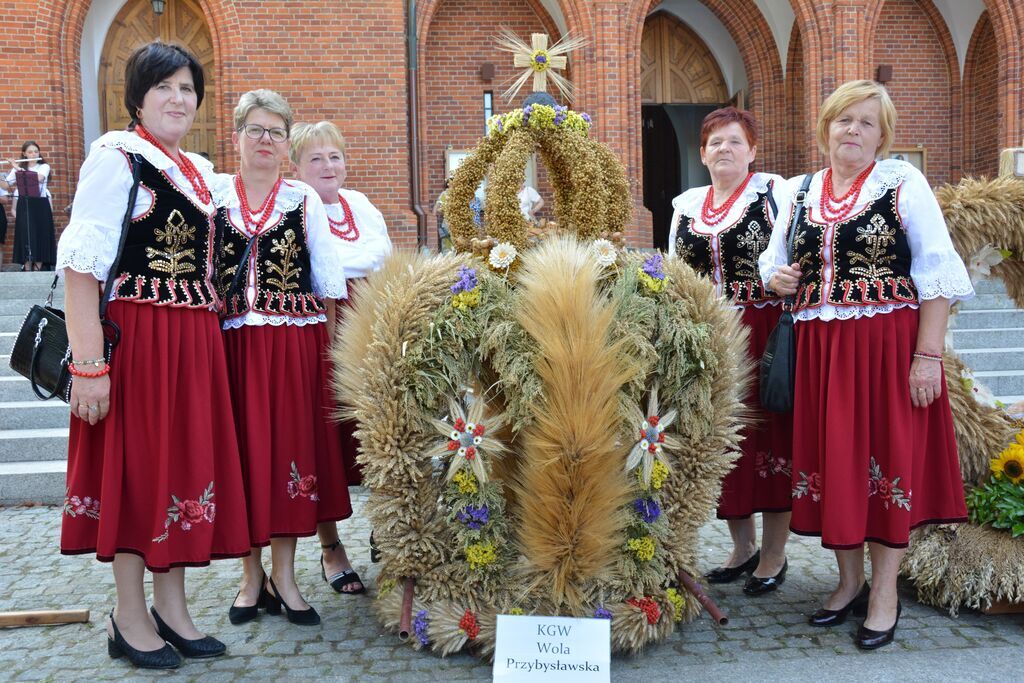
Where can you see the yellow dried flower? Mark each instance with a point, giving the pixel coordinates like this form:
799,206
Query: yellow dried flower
653,284
466,482
479,555
384,587
659,472
516,611
464,301
642,548
542,117
678,603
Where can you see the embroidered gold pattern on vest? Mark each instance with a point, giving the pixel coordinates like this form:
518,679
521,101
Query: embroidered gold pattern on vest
754,241
174,259
285,271
878,237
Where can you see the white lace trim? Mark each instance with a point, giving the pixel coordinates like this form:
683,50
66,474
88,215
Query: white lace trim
133,144
291,195
941,274
829,312
690,202
258,319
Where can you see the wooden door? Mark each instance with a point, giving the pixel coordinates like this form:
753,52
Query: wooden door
676,67
182,22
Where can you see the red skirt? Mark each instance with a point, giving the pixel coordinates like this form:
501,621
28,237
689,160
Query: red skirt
291,450
760,479
160,475
868,466
349,442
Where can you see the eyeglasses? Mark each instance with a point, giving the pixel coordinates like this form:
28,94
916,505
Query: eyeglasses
255,131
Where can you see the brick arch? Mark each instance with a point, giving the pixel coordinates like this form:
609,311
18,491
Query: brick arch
981,114
1007,17
60,24
940,126
760,55
816,28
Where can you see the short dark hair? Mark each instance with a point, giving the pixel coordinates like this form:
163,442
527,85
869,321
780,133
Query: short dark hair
152,63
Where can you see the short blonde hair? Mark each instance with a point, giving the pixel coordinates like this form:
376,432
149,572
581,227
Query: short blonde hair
267,100
305,134
851,93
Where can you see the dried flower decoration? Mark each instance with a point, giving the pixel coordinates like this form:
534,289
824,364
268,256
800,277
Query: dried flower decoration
605,252
466,292
467,440
652,439
539,61
502,256
652,274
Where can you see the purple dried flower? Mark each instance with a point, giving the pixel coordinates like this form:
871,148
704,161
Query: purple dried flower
585,117
541,59
474,517
467,280
648,509
653,267
602,613
420,626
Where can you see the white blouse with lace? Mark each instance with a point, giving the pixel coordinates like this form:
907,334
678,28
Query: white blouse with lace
367,252
688,205
89,243
326,256
935,267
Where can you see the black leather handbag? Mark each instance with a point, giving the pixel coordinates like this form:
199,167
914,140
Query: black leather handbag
41,350
778,363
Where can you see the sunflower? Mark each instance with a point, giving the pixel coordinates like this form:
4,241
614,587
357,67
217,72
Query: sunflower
1010,463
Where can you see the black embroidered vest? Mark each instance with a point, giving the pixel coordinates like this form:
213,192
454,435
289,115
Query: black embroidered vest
738,248
284,280
870,257
166,259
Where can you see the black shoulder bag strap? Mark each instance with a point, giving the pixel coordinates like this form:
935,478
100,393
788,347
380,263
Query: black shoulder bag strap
112,276
798,211
771,200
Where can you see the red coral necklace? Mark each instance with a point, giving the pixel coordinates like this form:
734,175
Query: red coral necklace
834,209
345,228
184,164
712,215
266,208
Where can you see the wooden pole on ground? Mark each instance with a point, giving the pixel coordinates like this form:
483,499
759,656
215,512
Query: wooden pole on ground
43,617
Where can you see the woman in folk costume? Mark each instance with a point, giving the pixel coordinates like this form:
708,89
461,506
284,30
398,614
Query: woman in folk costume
721,230
154,479
318,159
874,273
278,263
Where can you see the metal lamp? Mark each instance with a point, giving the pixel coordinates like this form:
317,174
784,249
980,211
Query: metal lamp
158,6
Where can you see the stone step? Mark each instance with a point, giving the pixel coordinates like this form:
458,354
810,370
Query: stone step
33,482
992,285
1011,358
28,292
20,307
12,323
5,365
33,445
39,278
34,414
7,342
16,388
988,318
1002,382
965,338
1001,301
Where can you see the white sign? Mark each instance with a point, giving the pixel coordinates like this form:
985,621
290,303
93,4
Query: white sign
552,649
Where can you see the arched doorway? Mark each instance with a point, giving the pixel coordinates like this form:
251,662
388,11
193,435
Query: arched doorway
680,83
182,22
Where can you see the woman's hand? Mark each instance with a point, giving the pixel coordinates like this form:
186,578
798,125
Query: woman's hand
785,280
925,381
90,398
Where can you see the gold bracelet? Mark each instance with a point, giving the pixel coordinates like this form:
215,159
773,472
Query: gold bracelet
97,362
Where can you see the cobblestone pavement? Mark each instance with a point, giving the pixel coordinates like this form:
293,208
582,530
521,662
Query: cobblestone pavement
767,638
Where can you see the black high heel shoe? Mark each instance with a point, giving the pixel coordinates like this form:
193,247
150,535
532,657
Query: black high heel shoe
304,617
240,615
868,639
758,586
164,658
834,617
200,648
730,574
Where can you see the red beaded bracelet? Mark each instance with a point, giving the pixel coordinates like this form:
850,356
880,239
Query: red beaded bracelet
88,375
926,356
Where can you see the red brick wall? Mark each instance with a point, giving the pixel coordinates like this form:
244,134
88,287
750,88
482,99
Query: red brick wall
460,39
799,145
906,38
981,134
